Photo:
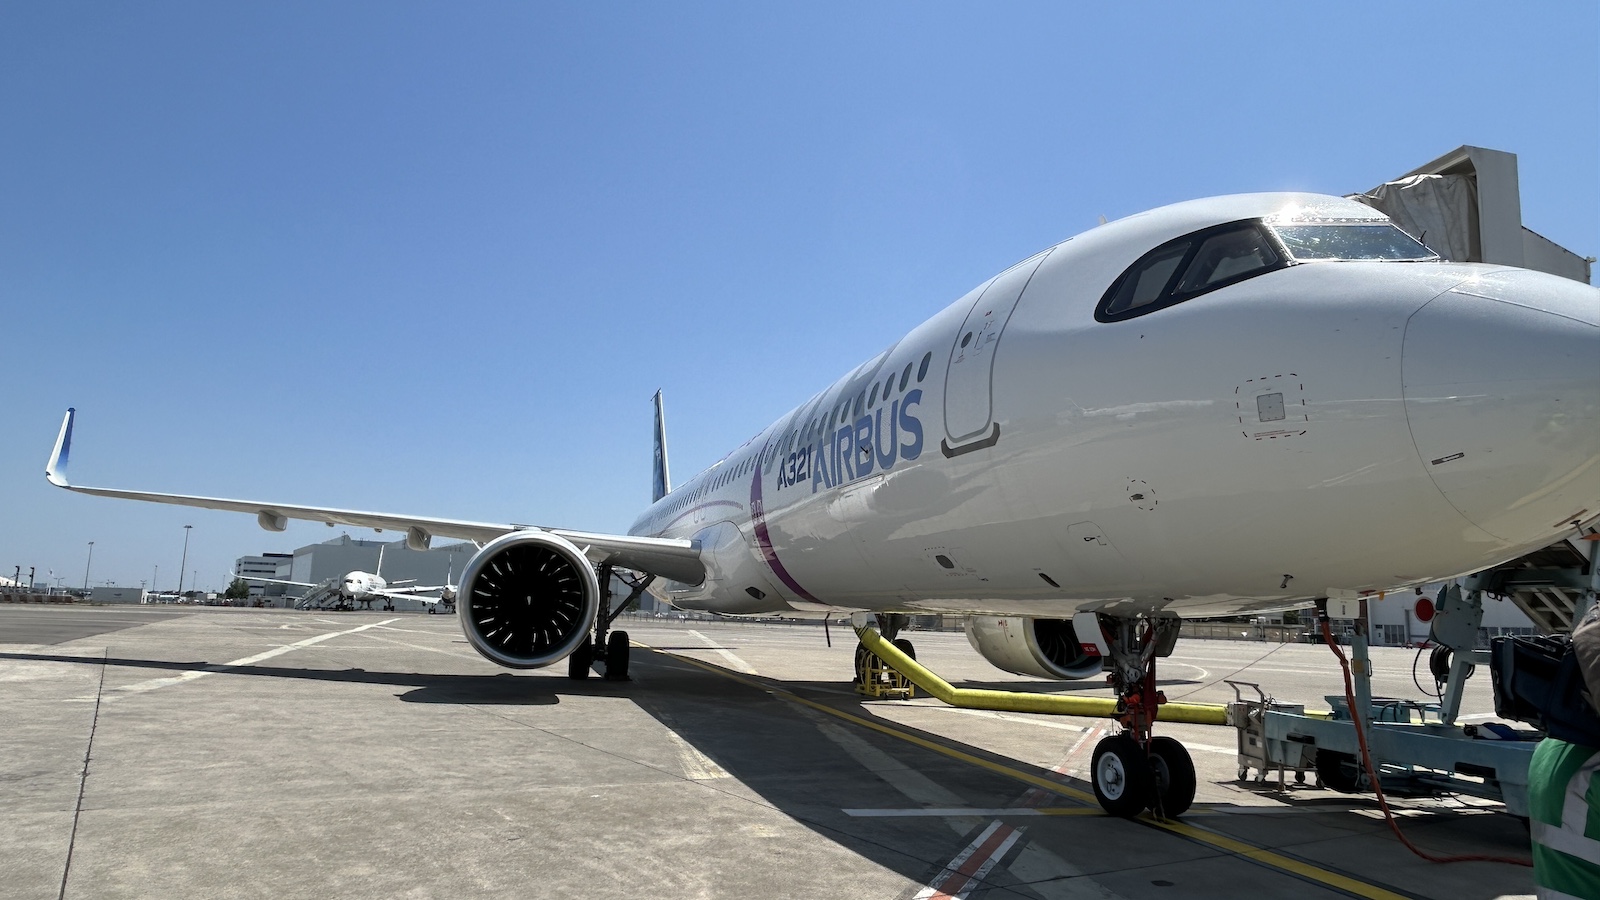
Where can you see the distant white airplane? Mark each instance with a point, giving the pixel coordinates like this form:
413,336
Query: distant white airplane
364,588
1225,406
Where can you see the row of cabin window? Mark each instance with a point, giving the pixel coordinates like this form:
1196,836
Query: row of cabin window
715,483
863,401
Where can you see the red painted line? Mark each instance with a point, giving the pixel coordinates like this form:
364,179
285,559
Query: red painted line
958,880
1041,797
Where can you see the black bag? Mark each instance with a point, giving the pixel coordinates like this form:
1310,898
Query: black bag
1537,680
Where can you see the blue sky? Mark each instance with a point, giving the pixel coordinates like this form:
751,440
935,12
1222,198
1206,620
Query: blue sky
434,258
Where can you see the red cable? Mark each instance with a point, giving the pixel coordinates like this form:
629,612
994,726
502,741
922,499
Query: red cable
1372,775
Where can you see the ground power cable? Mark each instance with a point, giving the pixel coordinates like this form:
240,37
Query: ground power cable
1246,666
1372,775
83,779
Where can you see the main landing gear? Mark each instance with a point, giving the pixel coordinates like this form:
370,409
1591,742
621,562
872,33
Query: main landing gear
1133,770
609,648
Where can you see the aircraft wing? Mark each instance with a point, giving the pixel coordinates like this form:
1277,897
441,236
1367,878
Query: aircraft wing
671,558
394,595
406,590
271,580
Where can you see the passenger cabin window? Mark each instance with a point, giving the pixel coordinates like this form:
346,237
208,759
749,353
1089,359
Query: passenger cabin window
1186,267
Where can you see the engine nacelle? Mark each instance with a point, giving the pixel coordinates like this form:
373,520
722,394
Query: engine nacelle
528,599
1043,648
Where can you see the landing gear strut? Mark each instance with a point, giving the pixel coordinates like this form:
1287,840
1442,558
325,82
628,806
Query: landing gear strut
1133,770
874,677
609,647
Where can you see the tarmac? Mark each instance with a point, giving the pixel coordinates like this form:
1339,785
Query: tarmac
177,752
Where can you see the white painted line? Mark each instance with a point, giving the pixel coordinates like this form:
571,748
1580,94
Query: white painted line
1045,721
1212,748
141,687
696,765
726,654
963,874
940,813
1022,718
917,787
374,636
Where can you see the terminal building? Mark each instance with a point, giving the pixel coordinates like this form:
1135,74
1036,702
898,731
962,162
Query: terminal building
267,565
315,563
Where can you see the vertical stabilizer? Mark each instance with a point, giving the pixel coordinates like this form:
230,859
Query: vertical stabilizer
661,482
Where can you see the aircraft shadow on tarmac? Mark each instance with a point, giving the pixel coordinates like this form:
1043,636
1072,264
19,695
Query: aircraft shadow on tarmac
812,767
496,688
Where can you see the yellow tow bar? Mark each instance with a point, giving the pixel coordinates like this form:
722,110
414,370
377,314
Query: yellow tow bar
1019,701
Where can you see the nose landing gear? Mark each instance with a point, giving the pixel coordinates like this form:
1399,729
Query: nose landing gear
1133,770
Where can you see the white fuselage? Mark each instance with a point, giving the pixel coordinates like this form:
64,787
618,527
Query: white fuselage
362,586
1328,427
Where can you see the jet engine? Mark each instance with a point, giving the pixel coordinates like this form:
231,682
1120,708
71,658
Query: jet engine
1043,648
528,599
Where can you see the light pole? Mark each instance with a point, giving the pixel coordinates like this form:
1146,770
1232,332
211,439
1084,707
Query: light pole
86,568
185,559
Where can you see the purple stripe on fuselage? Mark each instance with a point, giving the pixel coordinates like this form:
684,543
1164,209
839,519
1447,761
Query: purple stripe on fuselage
758,518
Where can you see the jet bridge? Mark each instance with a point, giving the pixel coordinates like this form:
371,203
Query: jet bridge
1467,206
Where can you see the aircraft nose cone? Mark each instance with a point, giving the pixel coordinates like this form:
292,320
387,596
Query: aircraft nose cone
1501,377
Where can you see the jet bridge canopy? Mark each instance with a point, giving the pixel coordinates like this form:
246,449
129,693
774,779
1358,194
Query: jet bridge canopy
1467,205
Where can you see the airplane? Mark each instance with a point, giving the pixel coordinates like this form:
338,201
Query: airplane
364,588
1224,406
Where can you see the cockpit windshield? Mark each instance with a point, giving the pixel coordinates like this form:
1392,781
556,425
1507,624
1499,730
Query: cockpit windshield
1377,240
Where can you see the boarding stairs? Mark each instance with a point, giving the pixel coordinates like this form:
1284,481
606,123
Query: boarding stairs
1551,586
324,596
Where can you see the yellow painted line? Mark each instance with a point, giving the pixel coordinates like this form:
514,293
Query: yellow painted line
1222,842
1279,861
881,728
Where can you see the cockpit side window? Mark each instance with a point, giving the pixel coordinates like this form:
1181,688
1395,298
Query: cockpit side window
1189,266
1147,281
1227,257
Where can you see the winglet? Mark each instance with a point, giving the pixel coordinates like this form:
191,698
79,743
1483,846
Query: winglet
56,469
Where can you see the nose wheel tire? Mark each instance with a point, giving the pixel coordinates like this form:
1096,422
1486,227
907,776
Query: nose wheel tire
1122,777
1172,774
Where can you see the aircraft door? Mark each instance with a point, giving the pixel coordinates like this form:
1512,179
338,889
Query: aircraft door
968,408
